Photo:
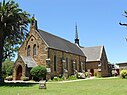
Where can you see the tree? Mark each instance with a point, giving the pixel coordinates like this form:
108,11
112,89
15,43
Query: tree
125,15
9,50
7,67
13,28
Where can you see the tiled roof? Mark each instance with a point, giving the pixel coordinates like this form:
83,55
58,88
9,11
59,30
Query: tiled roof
29,61
121,63
56,42
93,53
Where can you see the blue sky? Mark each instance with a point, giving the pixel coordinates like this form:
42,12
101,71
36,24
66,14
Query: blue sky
97,22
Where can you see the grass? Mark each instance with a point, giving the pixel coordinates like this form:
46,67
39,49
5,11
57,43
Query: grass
87,87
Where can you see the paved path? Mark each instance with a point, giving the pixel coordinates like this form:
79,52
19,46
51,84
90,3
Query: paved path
20,81
66,81
81,79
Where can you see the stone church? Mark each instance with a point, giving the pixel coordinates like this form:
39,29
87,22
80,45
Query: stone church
58,55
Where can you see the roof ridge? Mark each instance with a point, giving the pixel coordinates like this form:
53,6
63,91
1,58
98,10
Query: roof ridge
94,46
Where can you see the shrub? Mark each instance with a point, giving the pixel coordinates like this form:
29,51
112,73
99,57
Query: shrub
72,77
95,74
9,78
58,79
38,72
24,78
123,73
86,74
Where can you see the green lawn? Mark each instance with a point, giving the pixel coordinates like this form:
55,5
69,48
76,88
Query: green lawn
87,87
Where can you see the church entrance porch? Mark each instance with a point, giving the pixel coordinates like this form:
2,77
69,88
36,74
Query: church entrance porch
19,73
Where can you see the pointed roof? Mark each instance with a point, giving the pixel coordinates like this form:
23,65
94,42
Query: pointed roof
58,43
28,61
93,53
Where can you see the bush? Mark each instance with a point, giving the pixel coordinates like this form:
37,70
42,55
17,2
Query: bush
57,79
86,74
24,78
72,77
38,72
123,73
9,78
95,74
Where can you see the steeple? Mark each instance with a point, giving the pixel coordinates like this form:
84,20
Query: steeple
33,23
76,35
76,32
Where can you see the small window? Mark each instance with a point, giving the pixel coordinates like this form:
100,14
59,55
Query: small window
34,49
54,62
28,50
31,39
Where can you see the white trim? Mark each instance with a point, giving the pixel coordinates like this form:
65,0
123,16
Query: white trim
101,52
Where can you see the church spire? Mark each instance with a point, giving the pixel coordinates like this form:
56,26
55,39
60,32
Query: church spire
76,32
76,35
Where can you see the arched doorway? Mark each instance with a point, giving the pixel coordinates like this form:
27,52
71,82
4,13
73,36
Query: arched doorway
92,72
19,73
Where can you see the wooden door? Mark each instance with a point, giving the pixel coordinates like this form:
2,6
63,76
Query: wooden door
19,73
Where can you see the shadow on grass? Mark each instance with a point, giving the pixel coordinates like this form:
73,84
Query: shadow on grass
18,84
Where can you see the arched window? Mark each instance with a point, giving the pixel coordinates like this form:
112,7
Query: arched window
66,63
34,49
80,67
28,50
75,64
54,62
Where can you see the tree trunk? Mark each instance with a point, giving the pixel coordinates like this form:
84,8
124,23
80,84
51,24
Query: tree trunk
1,57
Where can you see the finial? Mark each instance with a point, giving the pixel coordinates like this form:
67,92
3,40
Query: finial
33,15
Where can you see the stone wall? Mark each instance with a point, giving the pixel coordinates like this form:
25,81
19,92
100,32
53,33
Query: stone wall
61,62
41,48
